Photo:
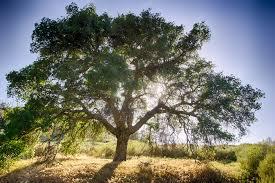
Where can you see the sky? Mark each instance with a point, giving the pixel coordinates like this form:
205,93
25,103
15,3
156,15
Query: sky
242,41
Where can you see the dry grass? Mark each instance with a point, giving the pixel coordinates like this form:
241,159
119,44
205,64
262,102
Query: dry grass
231,169
88,169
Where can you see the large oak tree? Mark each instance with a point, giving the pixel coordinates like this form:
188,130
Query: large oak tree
122,72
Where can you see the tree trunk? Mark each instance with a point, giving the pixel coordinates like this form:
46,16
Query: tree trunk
121,147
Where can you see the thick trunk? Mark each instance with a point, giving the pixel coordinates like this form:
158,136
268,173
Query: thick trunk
121,147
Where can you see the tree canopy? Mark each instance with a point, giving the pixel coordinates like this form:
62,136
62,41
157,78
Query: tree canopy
122,72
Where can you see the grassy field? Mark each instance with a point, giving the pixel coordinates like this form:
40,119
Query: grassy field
143,169
161,164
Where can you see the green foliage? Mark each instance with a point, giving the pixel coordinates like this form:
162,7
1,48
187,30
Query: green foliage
17,122
5,163
169,151
108,74
31,140
76,135
138,148
12,148
224,106
18,136
225,155
10,151
206,153
266,169
250,159
103,150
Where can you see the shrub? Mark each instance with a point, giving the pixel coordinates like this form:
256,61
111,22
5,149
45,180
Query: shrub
10,151
169,151
107,150
207,174
12,148
266,169
5,162
39,150
69,147
138,148
103,150
27,153
225,156
206,153
251,158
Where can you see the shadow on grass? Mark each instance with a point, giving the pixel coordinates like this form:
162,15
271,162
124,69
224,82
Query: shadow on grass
35,173
31,173
105,172
101,176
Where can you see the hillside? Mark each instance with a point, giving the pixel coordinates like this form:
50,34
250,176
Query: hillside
89,169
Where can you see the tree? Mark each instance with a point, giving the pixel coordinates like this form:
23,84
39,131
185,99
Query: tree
2,109
123,72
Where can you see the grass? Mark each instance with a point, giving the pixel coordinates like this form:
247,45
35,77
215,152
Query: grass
107,150
138,169
162,164
232,169
135,148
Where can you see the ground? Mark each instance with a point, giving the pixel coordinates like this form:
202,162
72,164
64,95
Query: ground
143,169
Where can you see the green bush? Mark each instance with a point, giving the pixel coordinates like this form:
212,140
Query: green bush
250,159
4,162
266,169
104,150
225,155
10,151
206,153
12,148
27,153
69,147
169,151
30,140
138,148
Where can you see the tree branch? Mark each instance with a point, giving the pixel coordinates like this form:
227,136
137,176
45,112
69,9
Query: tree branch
160,108
145,118
152,68
99,118
172,110
111,105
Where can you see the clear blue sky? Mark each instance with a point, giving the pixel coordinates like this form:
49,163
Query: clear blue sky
242,43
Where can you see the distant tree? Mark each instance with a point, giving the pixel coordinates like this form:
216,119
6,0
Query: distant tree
2,108
122,72
269,141
2,122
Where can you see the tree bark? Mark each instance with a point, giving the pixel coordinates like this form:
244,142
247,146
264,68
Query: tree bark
121,147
